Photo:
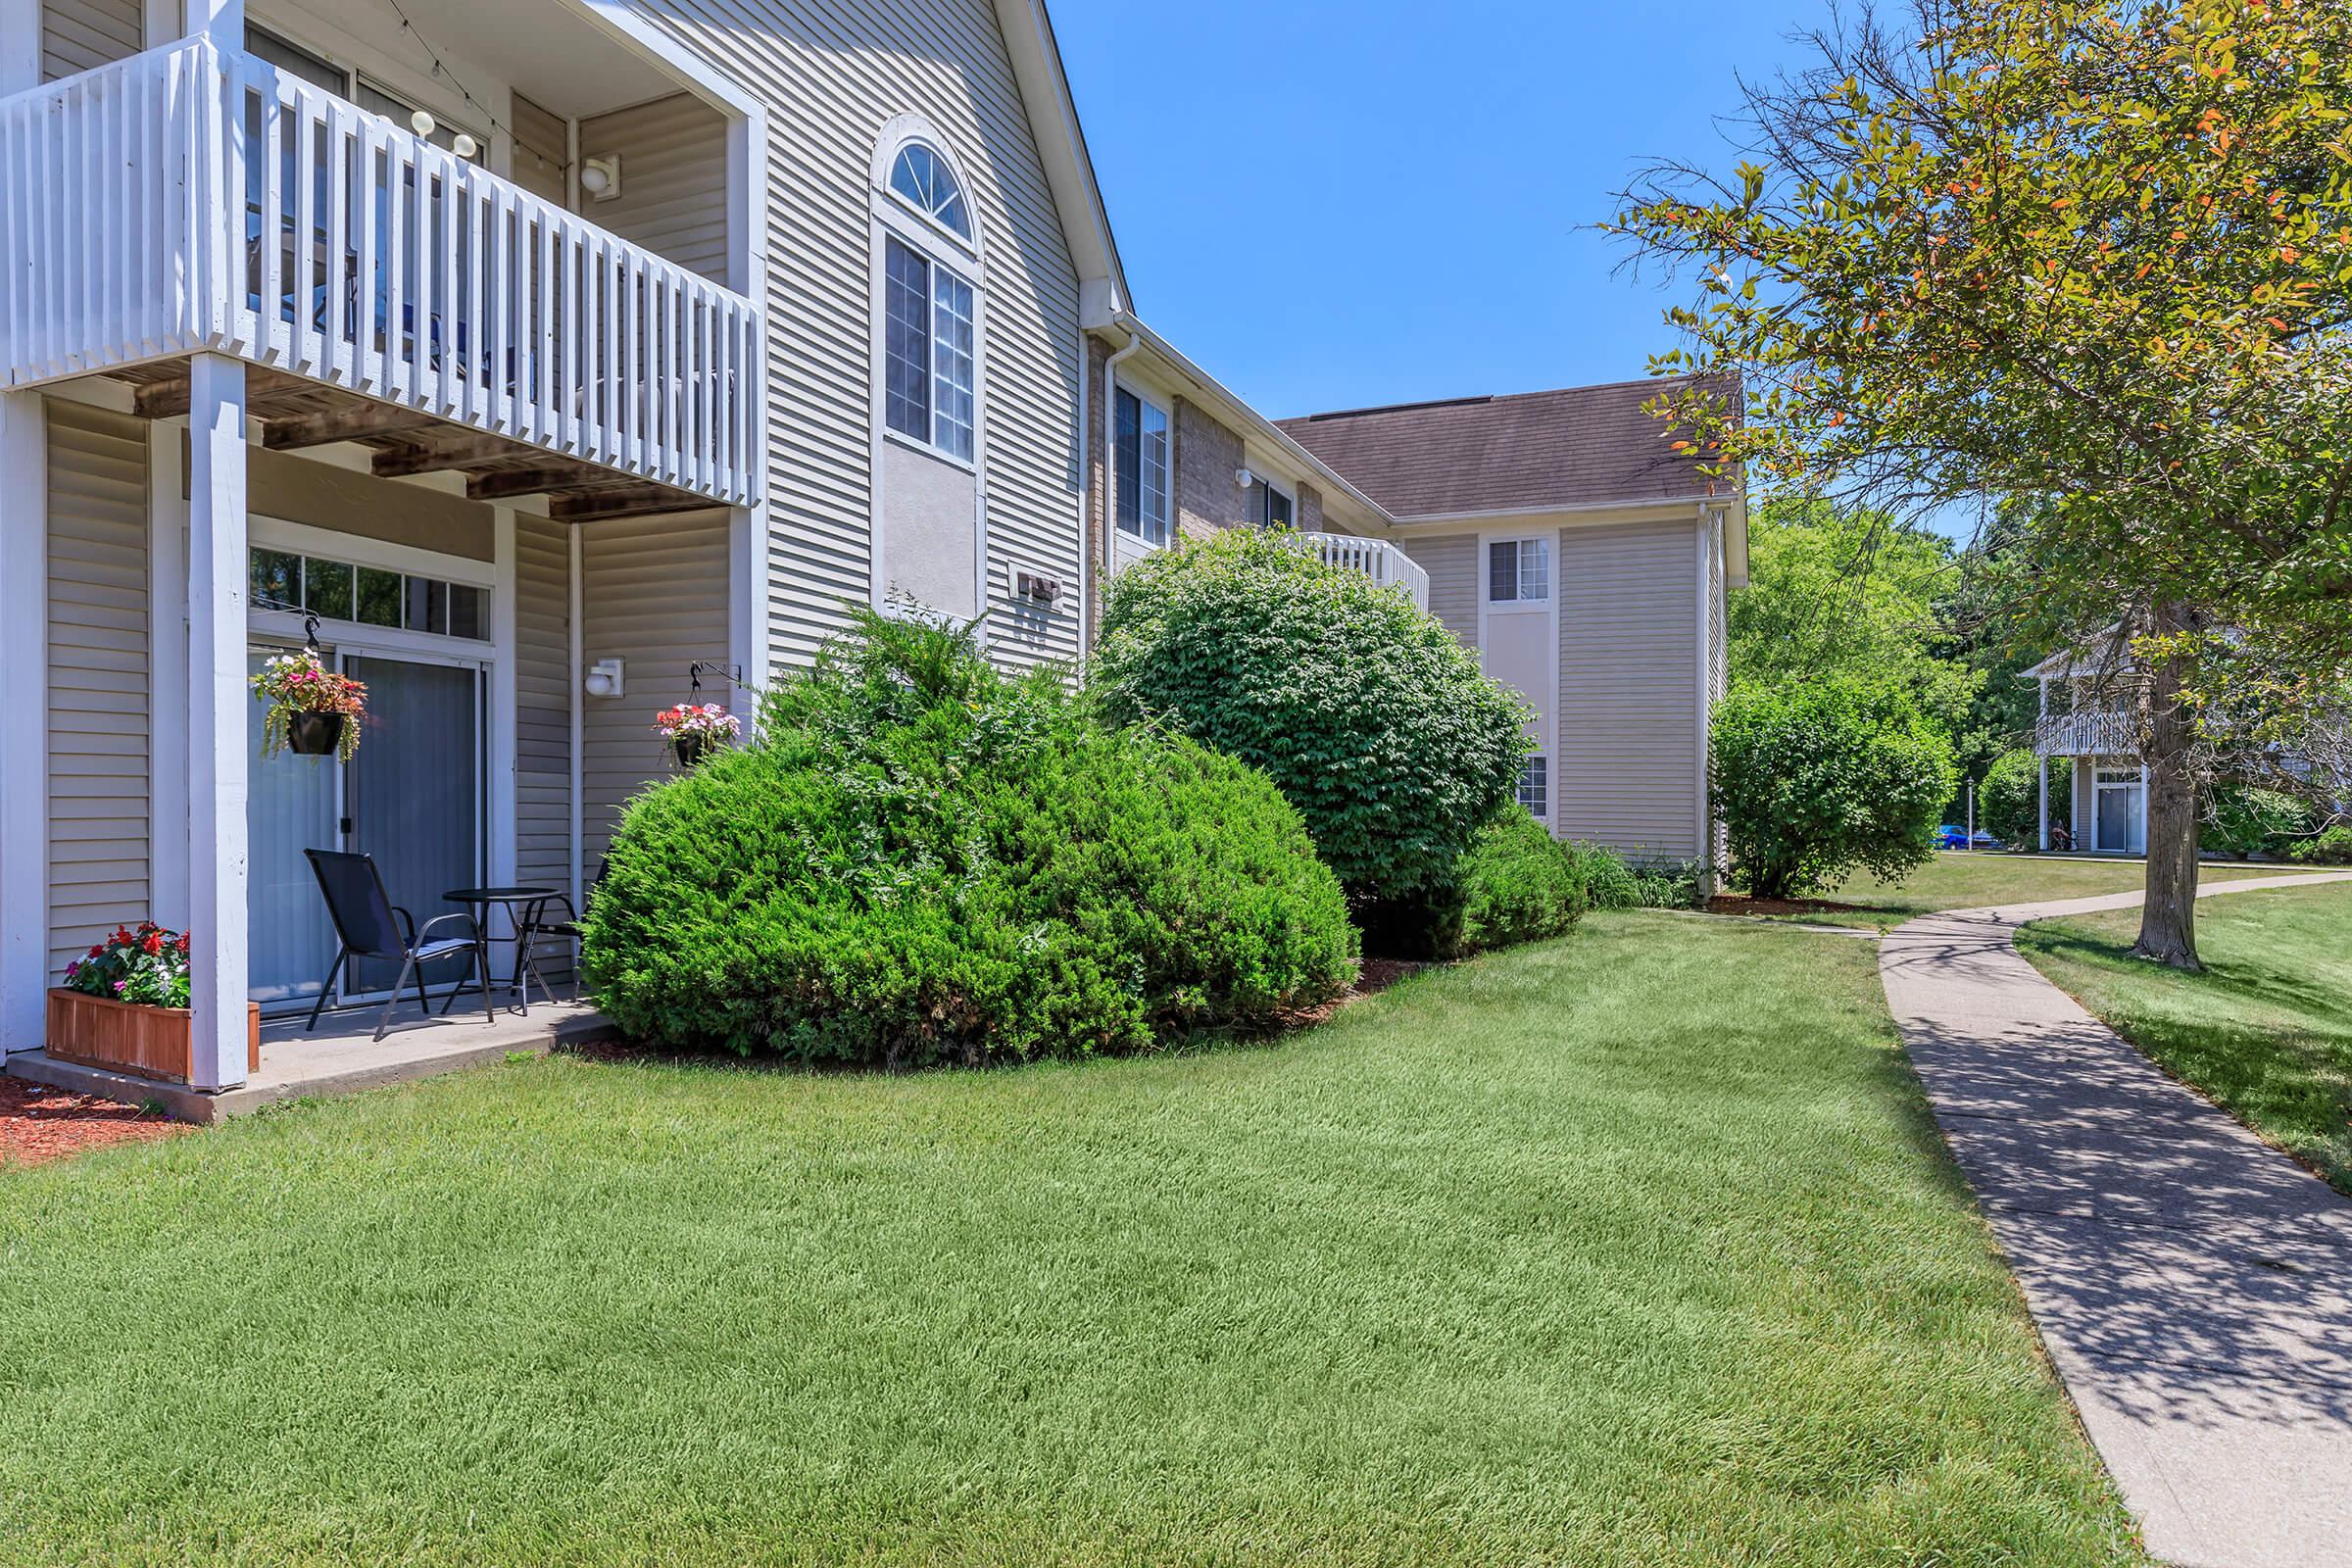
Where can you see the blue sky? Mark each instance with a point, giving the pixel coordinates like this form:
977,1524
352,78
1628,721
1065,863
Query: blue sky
1335,205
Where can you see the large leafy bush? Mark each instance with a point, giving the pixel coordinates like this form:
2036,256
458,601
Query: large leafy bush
2009,800
921,859
1816,780
1371,718
2331,846
2243,820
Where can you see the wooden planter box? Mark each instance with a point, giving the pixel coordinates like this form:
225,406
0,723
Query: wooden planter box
150,1042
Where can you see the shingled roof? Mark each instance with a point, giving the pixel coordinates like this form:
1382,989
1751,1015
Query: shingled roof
1577,447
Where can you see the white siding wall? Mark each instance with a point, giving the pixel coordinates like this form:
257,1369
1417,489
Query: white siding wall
1452,567
83,34
654,596
1629,728
543,696
98,676
673,179
833,72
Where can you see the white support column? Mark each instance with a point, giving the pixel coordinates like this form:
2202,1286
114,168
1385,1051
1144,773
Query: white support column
225,20
2044,761
217,719
505,711
20,45
24,720
168,674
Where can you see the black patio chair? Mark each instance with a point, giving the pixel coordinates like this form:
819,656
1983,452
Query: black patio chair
569,927
370,926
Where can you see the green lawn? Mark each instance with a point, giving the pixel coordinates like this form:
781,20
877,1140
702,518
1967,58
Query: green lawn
1634,1249
2266,1030
1964,881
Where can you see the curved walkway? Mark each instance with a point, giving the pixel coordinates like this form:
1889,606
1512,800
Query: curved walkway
2193,1284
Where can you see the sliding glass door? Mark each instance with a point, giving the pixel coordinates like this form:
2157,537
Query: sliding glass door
411,798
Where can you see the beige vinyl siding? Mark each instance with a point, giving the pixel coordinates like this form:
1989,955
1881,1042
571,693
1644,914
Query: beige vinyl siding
540,137
832,74
1628,726
673,181
1452,567
655,596
83,34
98,676
543,696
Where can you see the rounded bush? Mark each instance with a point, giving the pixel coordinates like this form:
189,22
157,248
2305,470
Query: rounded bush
2331,846
1519,884
922,860
2243,820
1366,712
1814,781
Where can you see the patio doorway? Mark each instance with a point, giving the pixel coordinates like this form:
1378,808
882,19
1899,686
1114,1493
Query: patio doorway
2122,823
412,797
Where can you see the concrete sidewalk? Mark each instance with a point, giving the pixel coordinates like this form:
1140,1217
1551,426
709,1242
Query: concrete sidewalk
2192,1284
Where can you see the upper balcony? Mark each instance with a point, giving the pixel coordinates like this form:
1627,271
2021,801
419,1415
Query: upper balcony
2086,732
197,199
1377,558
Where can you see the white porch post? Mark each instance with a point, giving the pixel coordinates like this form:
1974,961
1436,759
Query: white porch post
24,720
2044,759
167,666
217,719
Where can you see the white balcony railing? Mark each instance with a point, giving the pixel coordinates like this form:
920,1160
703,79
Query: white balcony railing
1376,559
193,198
2086,732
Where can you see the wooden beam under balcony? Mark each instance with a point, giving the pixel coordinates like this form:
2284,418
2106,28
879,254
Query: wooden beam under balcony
624,501
457,452
353,422
168,398
552,479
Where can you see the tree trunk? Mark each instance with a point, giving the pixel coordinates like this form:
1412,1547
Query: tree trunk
2168,916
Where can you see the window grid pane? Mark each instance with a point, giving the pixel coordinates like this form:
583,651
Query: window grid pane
952,326
1535,785
1127,461
907,342
1535,574
1154,478
1502,571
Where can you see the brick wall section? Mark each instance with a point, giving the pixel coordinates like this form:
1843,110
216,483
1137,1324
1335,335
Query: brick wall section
1206,457
1098,482
1310,508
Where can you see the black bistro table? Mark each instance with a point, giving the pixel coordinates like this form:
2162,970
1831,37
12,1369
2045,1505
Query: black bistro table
526,908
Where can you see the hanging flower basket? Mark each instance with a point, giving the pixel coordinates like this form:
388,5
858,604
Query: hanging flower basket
695,730
314,711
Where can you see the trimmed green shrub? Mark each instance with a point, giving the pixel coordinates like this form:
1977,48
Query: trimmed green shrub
1814,781
924,860
2009,800
2243,821
2329,847
1519,884
1366,712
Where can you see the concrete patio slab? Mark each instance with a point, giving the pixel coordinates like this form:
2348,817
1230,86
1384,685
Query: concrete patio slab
2193,1286
340,1059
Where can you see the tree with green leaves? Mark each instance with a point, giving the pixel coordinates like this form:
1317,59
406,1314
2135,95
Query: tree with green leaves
2089,260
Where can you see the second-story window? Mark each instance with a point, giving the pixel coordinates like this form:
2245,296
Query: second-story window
1140,482
1518,572
928,351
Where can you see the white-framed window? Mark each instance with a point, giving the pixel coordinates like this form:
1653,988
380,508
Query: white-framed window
929,349
1518,572
1140,466
1270,505
920,177
1535,785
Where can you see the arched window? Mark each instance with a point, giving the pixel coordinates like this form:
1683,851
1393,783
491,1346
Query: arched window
922,176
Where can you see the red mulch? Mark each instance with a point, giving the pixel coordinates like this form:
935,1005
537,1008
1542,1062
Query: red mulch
1734,903
1375,975
38,1123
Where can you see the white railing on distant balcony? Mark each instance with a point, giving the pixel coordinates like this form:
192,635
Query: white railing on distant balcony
2087,733
192,198
1376,559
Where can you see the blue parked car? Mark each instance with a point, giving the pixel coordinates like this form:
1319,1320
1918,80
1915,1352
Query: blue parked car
1949,837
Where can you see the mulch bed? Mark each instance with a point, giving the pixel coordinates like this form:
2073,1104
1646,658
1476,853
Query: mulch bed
1734,903
39,1123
